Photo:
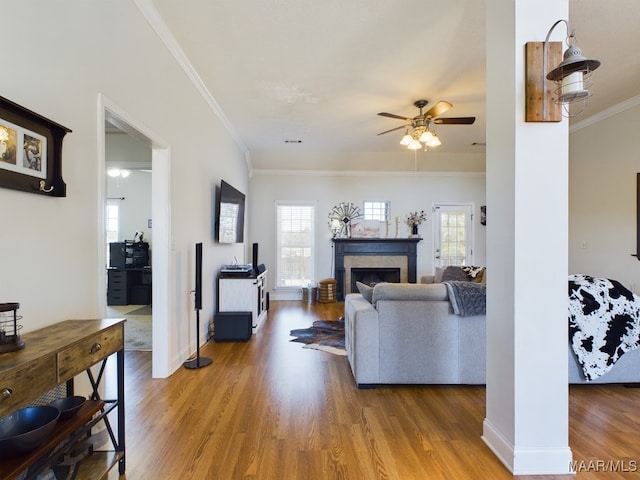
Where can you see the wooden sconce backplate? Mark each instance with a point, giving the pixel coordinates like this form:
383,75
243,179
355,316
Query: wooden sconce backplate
539,90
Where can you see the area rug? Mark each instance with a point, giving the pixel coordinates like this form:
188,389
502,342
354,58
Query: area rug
144,310
325,335
137,332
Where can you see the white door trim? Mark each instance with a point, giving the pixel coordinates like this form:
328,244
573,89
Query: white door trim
161,215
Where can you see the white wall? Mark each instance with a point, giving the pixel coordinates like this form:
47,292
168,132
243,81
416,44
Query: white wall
133,192
71,52
406,191
133,195
602,198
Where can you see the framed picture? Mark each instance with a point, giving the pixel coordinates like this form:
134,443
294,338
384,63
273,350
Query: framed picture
366,229
30,151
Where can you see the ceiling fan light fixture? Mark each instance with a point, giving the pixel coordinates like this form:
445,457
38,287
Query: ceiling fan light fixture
414,145
406,140
419,125
433,141
426,136
117,172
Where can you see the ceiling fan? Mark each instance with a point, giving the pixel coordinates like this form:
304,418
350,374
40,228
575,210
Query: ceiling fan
420,124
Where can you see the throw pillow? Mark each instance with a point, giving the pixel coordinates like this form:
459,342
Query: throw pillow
480,277
452,273
437,278
473,273
365,290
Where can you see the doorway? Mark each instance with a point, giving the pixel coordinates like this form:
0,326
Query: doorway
109,113
453,235
129,235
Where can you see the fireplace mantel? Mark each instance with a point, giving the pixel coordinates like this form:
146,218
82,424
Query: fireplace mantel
346,247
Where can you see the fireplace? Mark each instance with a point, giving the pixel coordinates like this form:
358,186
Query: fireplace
371,276
373,253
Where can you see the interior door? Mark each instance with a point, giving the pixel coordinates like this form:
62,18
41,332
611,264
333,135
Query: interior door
453,230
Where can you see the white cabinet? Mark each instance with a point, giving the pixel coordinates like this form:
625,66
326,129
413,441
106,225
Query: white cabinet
244,294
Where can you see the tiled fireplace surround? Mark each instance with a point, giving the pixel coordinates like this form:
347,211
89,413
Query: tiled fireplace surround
373,253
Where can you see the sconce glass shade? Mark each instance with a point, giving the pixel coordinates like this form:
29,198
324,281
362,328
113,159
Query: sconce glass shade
573,88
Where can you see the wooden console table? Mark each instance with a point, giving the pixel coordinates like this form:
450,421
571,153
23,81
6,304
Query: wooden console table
53,356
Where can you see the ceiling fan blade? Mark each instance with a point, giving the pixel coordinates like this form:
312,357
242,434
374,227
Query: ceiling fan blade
393,115
438,109
454,121
394,129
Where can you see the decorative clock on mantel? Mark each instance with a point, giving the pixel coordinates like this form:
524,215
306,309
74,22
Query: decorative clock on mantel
340,218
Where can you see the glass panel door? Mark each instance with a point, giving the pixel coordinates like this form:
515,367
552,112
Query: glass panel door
453,242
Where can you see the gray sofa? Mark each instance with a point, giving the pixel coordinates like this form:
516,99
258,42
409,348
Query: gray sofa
411,336
408,334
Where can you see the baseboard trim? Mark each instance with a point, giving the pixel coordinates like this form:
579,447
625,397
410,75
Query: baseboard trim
286,294
498,444
527,461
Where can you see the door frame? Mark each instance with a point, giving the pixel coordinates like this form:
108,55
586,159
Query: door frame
161,216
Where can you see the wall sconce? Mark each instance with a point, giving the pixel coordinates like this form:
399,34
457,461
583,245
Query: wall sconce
570,77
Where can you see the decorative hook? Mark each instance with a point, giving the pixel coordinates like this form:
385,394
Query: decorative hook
43,185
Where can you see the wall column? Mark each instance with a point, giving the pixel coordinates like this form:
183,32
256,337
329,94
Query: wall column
526,422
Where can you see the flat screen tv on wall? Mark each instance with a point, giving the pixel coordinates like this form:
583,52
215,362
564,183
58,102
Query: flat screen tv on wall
230,214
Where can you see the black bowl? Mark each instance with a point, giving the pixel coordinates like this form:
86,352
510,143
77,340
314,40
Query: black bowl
25,429
68,406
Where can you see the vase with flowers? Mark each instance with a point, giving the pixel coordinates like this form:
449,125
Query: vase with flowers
413,220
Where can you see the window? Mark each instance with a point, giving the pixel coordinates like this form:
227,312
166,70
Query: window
376,211
295,244
112,227
453,235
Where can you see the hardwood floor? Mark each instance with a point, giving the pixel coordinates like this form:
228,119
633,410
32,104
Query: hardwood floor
270,409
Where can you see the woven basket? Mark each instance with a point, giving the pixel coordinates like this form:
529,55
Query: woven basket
327,290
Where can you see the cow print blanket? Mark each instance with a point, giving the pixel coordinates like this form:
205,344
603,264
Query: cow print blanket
603,322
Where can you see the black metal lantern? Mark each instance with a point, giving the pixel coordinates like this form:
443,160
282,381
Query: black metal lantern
9,328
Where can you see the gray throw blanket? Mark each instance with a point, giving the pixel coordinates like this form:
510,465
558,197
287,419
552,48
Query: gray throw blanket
467,298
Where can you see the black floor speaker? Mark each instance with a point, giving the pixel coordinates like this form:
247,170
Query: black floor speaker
232,326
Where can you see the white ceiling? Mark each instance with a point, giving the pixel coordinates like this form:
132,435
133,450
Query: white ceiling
320,71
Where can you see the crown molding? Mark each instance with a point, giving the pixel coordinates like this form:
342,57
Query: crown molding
603,115
153,17
359,173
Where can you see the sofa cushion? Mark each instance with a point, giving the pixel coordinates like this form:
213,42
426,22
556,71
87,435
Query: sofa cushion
409,291
456,274
365,290
463,274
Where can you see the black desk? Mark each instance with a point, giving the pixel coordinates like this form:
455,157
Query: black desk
129,286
